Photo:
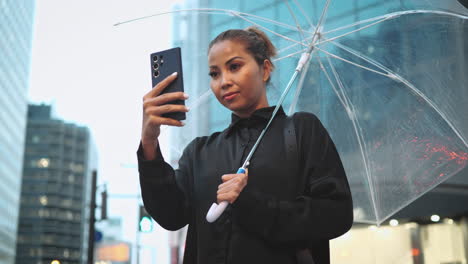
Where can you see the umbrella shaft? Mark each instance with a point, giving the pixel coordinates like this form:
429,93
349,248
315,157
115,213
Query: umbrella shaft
280,102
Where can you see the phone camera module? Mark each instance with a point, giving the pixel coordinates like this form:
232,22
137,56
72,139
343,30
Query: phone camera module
155,59
156,66
156,74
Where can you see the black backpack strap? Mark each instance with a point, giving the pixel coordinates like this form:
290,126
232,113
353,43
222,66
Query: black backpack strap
303,256
290,141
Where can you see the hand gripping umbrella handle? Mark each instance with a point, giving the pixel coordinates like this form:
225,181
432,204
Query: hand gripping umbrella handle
217,209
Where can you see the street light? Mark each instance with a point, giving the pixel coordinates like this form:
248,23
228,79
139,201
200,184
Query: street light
55,262
393,222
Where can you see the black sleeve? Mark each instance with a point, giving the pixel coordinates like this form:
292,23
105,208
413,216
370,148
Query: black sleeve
165,191
324,211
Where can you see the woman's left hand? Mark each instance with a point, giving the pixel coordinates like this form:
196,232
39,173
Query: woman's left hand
232,186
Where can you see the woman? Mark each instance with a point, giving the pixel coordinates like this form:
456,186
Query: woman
280,206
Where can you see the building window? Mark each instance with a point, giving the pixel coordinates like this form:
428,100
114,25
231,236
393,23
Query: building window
35,139
43,163
43,200
69,215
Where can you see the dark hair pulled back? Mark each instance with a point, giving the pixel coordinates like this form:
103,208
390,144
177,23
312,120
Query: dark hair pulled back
256,42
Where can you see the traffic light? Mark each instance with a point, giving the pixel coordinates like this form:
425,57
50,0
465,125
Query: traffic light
104,205
145,221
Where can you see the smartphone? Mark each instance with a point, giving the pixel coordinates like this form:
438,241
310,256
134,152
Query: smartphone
163,64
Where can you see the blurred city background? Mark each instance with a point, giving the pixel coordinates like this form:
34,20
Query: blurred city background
71,86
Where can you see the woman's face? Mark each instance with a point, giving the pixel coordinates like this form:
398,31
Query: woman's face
237,80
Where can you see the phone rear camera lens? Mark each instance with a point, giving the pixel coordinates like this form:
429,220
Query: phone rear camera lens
155,66
155,58
156,74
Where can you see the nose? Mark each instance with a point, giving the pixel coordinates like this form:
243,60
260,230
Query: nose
225,81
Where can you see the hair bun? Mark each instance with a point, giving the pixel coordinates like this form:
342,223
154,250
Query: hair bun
270,48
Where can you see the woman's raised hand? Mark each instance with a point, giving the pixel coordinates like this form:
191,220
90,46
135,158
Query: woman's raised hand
154,106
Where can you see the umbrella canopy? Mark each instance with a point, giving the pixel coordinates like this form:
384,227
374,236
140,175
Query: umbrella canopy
386,78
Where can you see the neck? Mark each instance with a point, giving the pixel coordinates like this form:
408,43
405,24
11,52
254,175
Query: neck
247,113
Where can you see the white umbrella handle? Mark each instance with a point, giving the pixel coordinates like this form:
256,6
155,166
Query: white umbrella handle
217,209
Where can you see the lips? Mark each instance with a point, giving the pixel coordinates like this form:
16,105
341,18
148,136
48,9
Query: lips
230,96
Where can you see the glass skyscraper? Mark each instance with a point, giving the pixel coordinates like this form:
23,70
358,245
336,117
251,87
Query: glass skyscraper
16,27
58,160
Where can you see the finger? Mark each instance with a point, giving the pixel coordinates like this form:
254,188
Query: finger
227,177
158,88
225,197
229,197
163,109
235,187
159,120
164,99
169,97
227,184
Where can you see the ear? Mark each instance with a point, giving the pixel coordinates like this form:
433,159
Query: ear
267,68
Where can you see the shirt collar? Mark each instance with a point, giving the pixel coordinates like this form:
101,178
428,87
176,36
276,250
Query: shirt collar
262,113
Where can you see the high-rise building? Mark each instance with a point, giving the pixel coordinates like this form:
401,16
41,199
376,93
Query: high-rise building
16,26
53,220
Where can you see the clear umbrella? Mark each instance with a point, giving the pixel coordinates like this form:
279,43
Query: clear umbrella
386,78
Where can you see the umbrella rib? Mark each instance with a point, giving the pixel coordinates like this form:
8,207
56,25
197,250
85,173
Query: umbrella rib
340,36
322,16
267,29
301,33
361,56
340,85
379,18
295,44
395,15
353,63
304,13
316,35
200,99
433,105
290,55
358,131
269,20
345,104
192,106
352,31
290,47
397,77
216,11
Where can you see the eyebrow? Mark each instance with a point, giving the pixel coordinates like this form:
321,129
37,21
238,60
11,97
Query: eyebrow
228,61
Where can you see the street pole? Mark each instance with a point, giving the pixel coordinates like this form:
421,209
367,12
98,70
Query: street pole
92,218
138,243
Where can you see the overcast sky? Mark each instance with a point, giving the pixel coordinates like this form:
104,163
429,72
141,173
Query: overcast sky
95,75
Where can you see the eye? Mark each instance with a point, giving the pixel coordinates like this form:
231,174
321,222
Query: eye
234,66
213,74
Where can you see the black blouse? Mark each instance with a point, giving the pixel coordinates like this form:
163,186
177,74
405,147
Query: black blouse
287,204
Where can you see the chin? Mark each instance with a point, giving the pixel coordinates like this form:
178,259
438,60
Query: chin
240,111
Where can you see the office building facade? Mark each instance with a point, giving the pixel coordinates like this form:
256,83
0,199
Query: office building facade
55,193
16,28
